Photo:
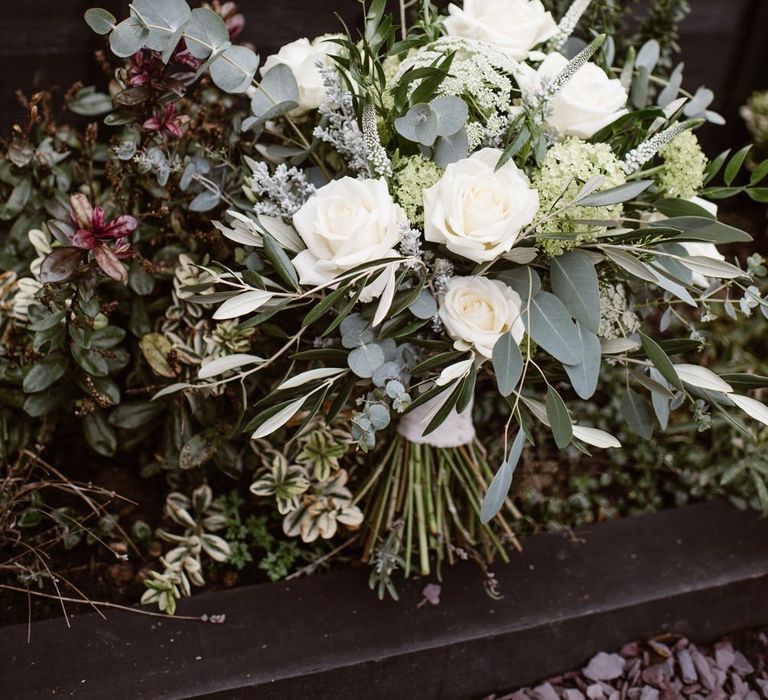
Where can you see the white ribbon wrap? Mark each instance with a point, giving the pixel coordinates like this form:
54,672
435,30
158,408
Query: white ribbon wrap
456,430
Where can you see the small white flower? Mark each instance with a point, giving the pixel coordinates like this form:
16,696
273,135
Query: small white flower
302,57
346,223
479,311
476,210
589,101
513,26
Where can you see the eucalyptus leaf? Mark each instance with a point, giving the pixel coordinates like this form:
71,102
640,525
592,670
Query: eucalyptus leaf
128,37
499,488
550,325
164,18
205,33
507,363
100,20
574,281
277,93
366,359
635,411
451,149
559,418
234,68
584,376
451,112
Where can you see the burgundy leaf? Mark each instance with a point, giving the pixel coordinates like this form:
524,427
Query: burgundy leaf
110,265
60,264
121,227
82,211
61,231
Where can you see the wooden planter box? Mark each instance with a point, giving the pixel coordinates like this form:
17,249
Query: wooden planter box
701,571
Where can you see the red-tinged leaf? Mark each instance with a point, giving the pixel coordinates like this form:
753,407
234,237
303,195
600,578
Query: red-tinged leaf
110,265
60,264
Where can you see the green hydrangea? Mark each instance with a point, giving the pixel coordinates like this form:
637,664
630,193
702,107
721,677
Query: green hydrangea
413,175
682,174
562,173
755,114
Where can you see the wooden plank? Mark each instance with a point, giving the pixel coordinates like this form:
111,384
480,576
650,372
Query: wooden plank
701,571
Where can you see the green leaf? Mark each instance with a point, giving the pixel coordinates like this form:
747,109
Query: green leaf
551,327
681,208
280,261
661,361
585,375
574,281
442,413
499,488
92,362
135,414
101,21
325,305
714,166
99,434
740,380
735,163
661,405
507,363
559,418
43,374
699,228
198,450
635,411
615,195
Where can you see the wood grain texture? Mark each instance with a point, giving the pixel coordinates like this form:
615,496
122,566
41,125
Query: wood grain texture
700,571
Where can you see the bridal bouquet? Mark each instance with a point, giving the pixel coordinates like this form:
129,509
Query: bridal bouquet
482,213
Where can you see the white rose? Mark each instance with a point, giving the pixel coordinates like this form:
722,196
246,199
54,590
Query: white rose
513,26
346,223
476,210
589,101
479,311
302,58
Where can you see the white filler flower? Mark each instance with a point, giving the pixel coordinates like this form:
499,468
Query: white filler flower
479,311
513,26
476,210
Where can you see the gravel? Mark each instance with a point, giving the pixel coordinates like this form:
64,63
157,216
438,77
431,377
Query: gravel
665,668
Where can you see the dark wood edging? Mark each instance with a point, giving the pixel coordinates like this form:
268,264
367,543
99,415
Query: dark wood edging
701,571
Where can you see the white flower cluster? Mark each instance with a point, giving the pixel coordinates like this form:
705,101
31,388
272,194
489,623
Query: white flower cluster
339,127
617,319
281,193
479,70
